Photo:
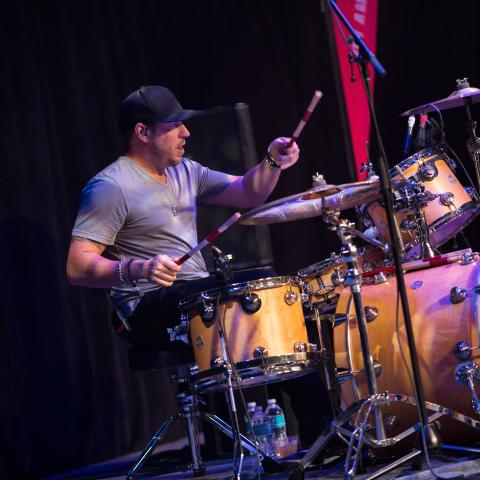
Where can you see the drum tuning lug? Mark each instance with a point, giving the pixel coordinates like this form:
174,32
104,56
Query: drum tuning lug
468,257
337,278
318,180
251,302
299,347
217,362
390,421
290,297
467,372
371,313
260,352
207,312
379,278
377,368
447,199
462,350
312,347
458,295
193,369
428,171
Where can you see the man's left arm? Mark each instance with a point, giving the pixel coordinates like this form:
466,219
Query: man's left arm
257,184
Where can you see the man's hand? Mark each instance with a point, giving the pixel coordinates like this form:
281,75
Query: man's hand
162,269
282,156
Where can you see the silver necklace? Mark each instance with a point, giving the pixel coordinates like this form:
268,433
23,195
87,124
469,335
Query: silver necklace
170,195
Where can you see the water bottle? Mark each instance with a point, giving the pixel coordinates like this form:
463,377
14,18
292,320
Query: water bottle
277,419
249,420
262,430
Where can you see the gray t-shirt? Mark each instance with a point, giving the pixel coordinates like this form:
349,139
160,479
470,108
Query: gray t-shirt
138,217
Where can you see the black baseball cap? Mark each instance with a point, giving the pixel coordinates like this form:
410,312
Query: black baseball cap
152,104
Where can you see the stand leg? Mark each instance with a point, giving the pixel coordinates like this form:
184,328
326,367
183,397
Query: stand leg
192,433
147,451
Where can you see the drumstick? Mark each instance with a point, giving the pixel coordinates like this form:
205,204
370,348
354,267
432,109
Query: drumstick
308,113
209,238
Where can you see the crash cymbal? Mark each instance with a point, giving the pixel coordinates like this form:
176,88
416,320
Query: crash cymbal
456,99
313,203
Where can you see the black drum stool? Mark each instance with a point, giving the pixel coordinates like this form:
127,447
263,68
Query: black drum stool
181,366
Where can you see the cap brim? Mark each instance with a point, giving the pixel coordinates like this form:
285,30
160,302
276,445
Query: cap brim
181,116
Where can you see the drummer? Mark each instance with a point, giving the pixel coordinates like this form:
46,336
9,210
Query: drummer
138,215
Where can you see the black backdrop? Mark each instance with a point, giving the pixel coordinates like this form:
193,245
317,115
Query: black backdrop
67,397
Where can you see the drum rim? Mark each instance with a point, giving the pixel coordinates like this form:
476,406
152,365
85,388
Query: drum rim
412,159
258,368
471,207
312,270
235,289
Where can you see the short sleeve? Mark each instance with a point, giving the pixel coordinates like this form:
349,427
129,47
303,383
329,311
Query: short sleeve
102,211
211,182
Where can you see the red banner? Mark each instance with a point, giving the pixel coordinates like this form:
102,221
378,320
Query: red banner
362,14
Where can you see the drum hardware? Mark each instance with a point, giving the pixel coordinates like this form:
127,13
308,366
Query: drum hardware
468,375
463,350
371,313
251,302
458,295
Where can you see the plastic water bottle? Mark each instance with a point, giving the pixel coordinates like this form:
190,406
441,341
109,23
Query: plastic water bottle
277,419
262,430
249,420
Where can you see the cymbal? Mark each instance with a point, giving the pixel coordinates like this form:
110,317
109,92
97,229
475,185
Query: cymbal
456,99
313,203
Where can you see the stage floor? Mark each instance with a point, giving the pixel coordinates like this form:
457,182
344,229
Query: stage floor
170,462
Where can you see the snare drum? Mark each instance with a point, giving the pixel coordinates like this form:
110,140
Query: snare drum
442,317
265,333
446,215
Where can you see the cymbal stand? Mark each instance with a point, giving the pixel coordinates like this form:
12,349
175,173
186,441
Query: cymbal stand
473,142
353,279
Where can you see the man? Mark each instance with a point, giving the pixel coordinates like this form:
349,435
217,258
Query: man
138,215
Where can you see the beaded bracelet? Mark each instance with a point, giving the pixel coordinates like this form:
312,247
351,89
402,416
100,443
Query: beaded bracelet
118,270
271,159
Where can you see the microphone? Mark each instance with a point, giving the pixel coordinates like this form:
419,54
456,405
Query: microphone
420,140
408,137
223,271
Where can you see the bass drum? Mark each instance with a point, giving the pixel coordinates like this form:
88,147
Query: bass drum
264,331
445,311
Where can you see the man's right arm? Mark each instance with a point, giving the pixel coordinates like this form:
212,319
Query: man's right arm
87,267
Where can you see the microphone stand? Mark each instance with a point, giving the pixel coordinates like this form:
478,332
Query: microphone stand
224,274
365,57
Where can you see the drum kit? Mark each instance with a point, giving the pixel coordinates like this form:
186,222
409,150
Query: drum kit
259,329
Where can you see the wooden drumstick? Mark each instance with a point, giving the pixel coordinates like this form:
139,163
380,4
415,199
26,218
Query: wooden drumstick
209,238
308,113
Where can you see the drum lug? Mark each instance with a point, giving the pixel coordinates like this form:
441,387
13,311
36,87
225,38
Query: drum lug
468,375
260,352
299,347
312,347
371,313
377,368
447,199
468,258
379,278
208,312
217,362
428,171
458,295
290,297
462,350
318,180
251,302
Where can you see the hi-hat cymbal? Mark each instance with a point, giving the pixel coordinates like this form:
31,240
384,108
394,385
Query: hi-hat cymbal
313,203
456,99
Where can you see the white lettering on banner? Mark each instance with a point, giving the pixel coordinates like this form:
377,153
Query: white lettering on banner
361,6
359,18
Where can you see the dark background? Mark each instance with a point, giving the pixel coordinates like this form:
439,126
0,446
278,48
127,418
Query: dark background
67,397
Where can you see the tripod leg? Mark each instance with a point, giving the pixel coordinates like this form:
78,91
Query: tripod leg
225,428
147,451
298,471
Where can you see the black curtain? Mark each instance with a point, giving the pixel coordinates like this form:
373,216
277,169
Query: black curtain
68,397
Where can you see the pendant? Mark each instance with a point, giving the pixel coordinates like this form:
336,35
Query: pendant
174,210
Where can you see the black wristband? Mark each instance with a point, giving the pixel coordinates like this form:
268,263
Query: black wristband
129,280
271,159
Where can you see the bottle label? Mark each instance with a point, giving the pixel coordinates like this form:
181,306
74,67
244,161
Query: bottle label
262,429
278,421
